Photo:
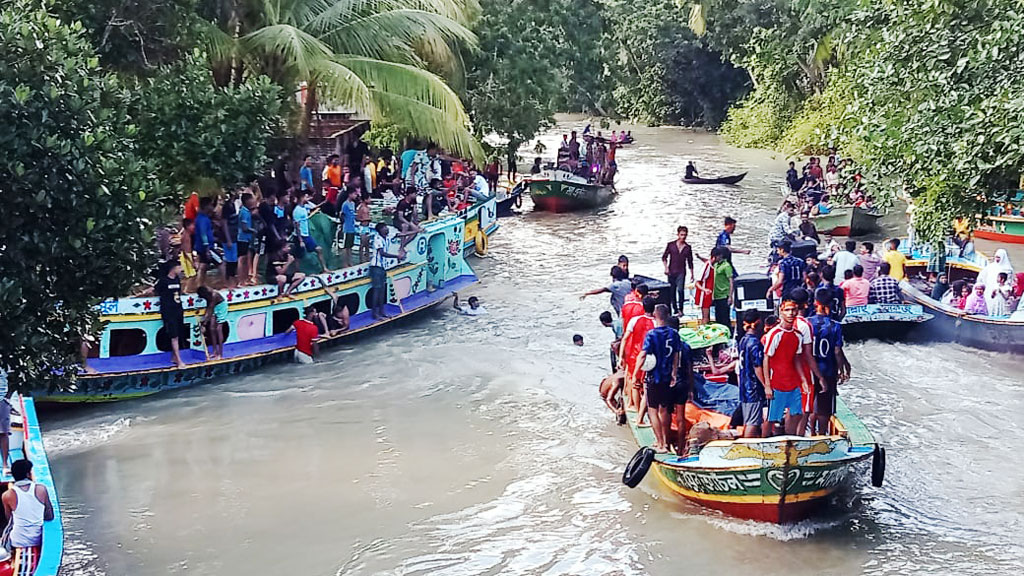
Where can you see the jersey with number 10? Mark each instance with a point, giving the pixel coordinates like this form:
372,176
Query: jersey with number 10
828,337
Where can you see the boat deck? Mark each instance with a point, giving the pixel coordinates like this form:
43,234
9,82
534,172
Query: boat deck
249,348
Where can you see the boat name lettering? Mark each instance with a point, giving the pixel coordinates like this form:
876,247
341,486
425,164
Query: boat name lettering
717,482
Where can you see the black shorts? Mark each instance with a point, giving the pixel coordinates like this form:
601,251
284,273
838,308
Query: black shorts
210,257
825,402
681,391
231,269
659,395
243,248
350,240
174,325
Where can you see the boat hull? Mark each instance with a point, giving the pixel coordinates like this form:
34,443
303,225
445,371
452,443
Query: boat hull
836,222
953,325
734,179
781,479
552,195
883,321
1008,229
27,442
863,222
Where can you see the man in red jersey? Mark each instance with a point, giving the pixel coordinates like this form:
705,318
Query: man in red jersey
306,334
632,343
634,305
784,369
806,332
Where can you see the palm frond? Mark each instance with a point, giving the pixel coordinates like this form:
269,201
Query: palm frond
407,82
698,22
302,51
220,47
340,86
425,121
380,34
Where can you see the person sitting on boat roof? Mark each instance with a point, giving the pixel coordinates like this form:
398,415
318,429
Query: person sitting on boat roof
618,288
884,288
750,375
474,308
833,367
437,201
301,214
479,190
664,345
784,370
281,270
691,170
406,220
306,334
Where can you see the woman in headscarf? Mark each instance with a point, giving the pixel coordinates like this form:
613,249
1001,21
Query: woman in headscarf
976,301
989,275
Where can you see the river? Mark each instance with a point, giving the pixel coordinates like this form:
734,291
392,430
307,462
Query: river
464,446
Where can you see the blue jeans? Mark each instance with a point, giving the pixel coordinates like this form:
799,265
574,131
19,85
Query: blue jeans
379,285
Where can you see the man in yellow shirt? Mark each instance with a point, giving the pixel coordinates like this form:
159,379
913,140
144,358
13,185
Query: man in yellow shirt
896,260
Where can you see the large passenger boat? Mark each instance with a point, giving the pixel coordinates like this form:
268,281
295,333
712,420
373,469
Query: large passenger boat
133,357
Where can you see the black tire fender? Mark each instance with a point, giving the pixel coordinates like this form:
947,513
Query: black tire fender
878,467
638,467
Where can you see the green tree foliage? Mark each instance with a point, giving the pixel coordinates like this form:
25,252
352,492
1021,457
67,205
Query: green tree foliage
194,131
662,72
135,35
514,77
940,103
77,196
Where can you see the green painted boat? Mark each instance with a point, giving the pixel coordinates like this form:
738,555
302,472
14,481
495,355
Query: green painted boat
780,479
565,192
836,222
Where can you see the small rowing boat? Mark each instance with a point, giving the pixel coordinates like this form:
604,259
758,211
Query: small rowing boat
561,191
27,443
782,479
719,180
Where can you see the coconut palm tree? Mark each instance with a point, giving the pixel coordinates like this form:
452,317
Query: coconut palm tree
369,55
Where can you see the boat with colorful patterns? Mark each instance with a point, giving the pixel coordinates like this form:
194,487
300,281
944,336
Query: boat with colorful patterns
26,442
132,357
782,479
884,321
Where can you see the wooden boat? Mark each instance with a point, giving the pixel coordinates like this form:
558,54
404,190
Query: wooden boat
951,324
27,442
864,222
133,358
884,321
561,191
848,221
720,180
508,199
782,479
1006,228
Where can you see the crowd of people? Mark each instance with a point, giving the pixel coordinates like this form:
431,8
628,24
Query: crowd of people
259,232
997,290
787,366
595,161
818,188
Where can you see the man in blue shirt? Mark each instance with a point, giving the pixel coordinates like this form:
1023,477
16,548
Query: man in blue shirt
301,215
663,344
348,226
306,174
750,374
725,238
832,362
791,269
203,240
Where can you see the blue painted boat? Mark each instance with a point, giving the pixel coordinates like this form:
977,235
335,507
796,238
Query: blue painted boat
27,442
133,355
883,321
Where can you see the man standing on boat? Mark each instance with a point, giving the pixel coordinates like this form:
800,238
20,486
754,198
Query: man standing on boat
677,257
790,270
750,374
664,344
168,289
379,258
618,288
833,367
784,369
869,260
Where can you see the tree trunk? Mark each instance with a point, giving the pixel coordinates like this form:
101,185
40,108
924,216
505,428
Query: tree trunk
306,122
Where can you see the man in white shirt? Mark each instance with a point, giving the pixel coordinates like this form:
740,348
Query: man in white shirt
379,263
479,190
845,260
